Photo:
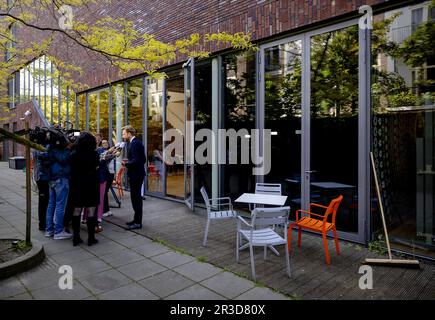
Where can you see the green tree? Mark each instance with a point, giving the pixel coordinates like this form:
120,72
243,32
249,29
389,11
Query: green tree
115,43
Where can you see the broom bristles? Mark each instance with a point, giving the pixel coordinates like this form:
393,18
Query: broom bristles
394,263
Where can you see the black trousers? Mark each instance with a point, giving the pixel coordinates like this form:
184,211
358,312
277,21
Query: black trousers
43,198
106,195
136,198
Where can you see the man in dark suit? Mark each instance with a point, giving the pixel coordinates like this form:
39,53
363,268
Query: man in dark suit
136,173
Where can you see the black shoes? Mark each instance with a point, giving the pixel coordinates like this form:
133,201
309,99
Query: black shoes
130,223
134,226
91,224
76,231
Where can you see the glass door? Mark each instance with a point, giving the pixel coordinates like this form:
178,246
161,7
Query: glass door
311,90
336,64
281,93
174,128
189,139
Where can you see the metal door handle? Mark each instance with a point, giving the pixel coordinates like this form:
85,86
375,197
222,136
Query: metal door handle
311,171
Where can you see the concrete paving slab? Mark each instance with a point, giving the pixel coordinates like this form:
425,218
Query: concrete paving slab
258,293
151,249
195,292
75,255
166,283
11,287
39,278
55,293
133,241
172,259
105,281
132,291
228,284
141,269
120,258
85,268
197,271
23,296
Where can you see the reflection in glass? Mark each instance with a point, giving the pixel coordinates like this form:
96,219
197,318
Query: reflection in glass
103,106
202,117
94,114
334,123
134,90
81,105
118,112
175,121
71,106
239,113
403,116
155,170
282,115
99,112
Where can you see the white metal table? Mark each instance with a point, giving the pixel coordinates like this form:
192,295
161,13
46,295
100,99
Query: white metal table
331,185
260,198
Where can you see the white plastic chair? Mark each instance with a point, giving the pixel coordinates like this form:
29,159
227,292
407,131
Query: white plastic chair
266,188
258,235
214,211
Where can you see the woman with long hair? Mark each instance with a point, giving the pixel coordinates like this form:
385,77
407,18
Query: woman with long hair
85,185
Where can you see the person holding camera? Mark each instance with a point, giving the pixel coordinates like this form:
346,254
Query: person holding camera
85,186
59,174
41,174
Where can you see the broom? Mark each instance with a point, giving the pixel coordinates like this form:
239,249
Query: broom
390,261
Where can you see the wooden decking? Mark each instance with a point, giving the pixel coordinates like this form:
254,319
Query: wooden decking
174,224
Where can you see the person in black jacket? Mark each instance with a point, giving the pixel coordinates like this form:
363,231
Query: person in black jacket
41,173
136,173
85,186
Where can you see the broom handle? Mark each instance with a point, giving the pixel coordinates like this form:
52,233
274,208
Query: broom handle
380,205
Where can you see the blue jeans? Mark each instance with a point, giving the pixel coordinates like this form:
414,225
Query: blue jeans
57,202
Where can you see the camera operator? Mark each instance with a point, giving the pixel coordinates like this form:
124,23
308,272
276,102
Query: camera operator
41,171
59,174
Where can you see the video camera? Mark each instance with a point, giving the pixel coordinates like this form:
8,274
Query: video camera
55,136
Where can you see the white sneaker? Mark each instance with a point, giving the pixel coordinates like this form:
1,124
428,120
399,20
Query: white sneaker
48,234
107,214
62,235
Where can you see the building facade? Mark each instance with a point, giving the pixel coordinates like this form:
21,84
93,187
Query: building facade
329,89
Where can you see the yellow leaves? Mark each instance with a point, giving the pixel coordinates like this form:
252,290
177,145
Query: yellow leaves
118,42
238,40
26,16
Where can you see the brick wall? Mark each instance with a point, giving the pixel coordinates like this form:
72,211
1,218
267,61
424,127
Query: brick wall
15,115
169,20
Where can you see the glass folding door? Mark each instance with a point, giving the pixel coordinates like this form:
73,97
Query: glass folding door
283,115
310,99
189,115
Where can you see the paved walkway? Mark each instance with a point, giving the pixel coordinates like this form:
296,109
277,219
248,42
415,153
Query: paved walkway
123,265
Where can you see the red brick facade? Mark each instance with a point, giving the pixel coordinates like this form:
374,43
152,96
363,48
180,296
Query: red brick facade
15,116
170,20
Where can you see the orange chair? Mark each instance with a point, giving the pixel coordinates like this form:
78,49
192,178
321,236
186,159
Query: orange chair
153,176
118,181
319,225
